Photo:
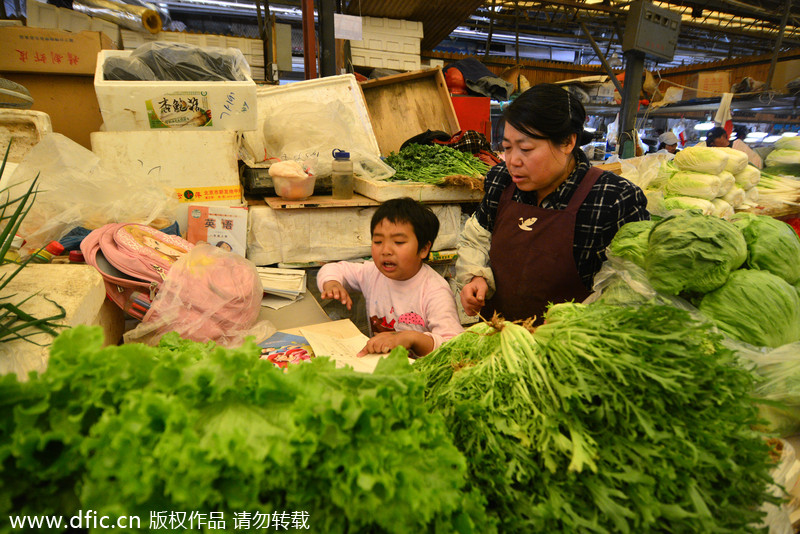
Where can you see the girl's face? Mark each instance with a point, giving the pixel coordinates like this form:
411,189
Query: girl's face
536,164
394,250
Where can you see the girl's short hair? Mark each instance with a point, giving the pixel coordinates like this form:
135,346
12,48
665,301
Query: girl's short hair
547,111
408,210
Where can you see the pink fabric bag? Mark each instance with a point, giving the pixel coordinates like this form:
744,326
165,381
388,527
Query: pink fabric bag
134,260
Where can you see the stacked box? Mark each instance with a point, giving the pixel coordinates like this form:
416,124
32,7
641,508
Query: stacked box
388,43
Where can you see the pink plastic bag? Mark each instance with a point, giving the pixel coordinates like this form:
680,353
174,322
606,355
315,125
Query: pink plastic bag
209,294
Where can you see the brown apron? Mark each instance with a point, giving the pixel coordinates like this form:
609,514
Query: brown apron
531,255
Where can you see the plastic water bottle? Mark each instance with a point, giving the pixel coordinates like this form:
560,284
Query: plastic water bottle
342,174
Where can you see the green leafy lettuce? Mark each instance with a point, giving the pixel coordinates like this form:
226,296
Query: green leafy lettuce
199,428
756,307
772,245
694,253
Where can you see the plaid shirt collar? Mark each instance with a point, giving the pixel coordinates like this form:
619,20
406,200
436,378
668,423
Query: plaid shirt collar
558,199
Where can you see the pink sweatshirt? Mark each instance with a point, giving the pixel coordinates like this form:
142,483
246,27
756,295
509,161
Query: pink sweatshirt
423,303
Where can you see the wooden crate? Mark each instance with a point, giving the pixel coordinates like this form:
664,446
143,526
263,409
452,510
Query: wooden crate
404,105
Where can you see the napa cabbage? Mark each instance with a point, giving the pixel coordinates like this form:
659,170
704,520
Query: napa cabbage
747,177
677,204
782,156
737,160
693,184
791,143
701,159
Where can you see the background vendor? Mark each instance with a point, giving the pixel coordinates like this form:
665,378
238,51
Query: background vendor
541,230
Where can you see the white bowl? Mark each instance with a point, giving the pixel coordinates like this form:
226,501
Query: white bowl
294,188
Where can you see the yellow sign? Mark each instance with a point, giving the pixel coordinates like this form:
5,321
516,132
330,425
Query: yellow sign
207,194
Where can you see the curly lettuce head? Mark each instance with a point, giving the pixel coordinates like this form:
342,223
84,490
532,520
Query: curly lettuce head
756,307
694,253
772,245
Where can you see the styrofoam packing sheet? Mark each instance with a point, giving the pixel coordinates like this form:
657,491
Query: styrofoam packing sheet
387,60
327,234
42,15
73,21
410,28
387,43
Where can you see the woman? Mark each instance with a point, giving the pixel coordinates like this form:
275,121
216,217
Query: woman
668,141
718,137
540,232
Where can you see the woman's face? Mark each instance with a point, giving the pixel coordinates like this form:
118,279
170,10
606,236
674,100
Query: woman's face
671,148
720,141
536,164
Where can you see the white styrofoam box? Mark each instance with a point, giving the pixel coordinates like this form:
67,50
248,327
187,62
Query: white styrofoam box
108,28
143,105
332,98
409,28
277,235
382,191
196,39
133,39
42,15
197,166
216,40
399,44
258,73
255,60
363,57
26,127
73,21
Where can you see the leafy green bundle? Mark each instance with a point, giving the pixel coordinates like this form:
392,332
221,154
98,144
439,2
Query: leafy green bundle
432,164
198,428
606,419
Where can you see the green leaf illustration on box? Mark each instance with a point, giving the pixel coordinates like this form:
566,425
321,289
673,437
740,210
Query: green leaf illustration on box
179,110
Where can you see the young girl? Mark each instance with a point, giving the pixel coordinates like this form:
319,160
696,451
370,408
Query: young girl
408,303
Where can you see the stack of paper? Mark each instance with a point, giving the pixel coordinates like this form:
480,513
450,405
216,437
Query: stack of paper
281,286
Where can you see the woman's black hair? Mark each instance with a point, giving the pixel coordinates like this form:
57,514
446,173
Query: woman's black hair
547,111
714,133
407,210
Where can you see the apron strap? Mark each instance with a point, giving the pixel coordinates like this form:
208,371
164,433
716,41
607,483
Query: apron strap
589,179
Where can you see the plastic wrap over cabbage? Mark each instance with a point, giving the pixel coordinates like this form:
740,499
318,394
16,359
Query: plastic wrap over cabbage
756,307
701,159
772,245
692,252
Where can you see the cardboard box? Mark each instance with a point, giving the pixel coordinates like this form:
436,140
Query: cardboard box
709,84
25,49
68,100
147,105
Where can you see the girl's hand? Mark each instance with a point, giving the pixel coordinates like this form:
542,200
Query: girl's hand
385,342
416,342
473,295
336,291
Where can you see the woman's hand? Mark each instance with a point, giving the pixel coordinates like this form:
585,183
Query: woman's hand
336,291
416,342
473,295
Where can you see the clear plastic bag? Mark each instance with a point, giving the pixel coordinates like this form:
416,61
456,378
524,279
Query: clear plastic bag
74,189
209,294
185,62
